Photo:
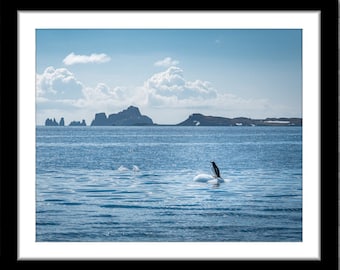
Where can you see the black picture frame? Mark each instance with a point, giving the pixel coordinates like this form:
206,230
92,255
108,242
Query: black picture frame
328,132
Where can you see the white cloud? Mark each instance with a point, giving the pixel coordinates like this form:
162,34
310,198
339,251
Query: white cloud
168,97
103,96
166,62
57,84
170,87
59,89
72,59
171,92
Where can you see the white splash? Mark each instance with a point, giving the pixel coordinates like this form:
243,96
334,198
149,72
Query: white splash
135,168
122,169
207,178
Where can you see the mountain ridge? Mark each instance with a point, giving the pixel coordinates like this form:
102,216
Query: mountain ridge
133,117
198,119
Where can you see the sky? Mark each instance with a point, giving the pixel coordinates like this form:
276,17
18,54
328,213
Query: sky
168,73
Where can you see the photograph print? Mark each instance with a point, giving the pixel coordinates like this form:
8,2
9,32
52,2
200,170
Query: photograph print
169,135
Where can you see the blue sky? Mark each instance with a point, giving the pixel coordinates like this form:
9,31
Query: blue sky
168,74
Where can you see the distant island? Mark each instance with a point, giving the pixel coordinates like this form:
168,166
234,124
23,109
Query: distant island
132,117
53,122
128,117
198,119
78,123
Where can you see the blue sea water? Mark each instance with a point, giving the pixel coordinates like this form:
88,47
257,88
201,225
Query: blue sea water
135,184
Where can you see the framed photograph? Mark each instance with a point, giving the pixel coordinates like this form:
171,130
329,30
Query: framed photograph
169,135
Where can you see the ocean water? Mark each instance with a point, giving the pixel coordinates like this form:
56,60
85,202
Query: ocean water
135,184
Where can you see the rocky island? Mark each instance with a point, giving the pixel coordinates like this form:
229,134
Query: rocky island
132,117
78,123
128,117
198,119
53,122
